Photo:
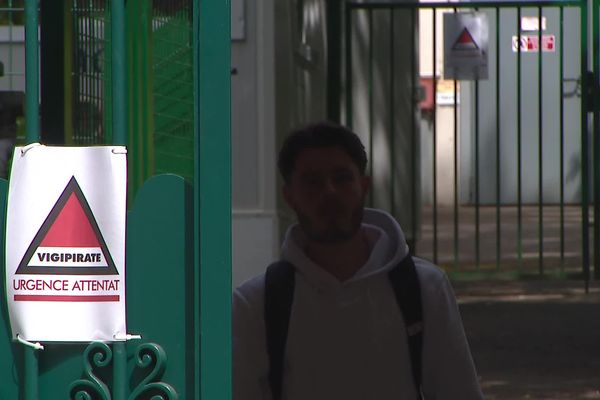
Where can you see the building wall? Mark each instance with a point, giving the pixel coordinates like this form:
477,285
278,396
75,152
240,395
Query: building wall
254,227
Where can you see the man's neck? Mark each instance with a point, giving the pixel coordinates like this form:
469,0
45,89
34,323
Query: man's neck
343,259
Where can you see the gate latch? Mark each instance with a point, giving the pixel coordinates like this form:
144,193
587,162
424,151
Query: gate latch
591,91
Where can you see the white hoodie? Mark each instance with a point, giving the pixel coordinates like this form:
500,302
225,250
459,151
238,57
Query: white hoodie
347,340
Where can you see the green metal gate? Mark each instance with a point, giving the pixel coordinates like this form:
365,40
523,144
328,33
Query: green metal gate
490,178
178,230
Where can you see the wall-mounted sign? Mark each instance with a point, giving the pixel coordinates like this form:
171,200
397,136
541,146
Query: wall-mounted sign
65,243
532,24
531,43
465,46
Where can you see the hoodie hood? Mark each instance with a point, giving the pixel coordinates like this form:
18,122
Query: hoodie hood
386,242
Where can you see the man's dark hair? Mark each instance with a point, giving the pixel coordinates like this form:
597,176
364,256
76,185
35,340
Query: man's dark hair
318,135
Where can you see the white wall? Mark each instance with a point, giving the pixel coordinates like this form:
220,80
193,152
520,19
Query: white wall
254,227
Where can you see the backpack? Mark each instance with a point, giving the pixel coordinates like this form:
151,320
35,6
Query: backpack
279,296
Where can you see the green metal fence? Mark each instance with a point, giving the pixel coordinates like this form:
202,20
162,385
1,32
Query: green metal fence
178,238
489,177
89,78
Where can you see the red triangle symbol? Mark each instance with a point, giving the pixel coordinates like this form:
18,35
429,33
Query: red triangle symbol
69,242
465,41
71,228
465,37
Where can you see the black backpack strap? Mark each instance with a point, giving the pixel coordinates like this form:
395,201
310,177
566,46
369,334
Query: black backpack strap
407,289
279,295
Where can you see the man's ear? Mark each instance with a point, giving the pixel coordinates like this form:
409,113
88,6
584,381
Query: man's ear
366,183
287,196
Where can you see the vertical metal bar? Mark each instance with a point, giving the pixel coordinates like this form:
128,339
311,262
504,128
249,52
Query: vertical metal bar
32,105
348,64
371,160
477,211
519,150
435,210
212,197
10,50
540,147
393,114
334,54
413,126
562,141
119,390
31,388
68,71
498,152
119,114
456,187
585,105
596,140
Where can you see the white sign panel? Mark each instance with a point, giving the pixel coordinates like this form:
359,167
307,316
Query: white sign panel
531,24
465,46
65,243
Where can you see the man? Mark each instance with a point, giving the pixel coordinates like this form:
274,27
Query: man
347,338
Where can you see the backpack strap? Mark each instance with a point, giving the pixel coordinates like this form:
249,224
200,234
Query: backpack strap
279,295
407,289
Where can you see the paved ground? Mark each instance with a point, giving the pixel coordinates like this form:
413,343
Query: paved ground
534,340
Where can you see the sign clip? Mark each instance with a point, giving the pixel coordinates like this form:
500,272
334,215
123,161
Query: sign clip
119,336
35,345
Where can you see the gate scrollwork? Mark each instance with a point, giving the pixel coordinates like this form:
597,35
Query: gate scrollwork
96,355
152,357
149,358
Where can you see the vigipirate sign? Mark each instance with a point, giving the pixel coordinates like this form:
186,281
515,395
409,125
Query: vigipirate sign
65,246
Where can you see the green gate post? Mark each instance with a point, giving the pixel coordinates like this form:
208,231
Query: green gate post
119,114
212,198
32,135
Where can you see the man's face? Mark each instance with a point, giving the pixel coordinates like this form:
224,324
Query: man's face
327,192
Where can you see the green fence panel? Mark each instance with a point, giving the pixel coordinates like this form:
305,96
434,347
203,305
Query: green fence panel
160,275
160,308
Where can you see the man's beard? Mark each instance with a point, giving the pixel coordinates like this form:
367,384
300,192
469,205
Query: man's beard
336,231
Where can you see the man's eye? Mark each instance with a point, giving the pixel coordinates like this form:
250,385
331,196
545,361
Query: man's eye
343,178
311,181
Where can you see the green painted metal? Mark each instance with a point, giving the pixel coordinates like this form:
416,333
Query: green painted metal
119,86
212,196
172,94
178,245
160,277
140,96
32,106
68,72
32,135
159,282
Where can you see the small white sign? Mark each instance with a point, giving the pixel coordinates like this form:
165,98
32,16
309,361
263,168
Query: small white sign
65,243
532,24
465,46
531,43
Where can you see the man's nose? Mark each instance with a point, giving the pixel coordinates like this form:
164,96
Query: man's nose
329,186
